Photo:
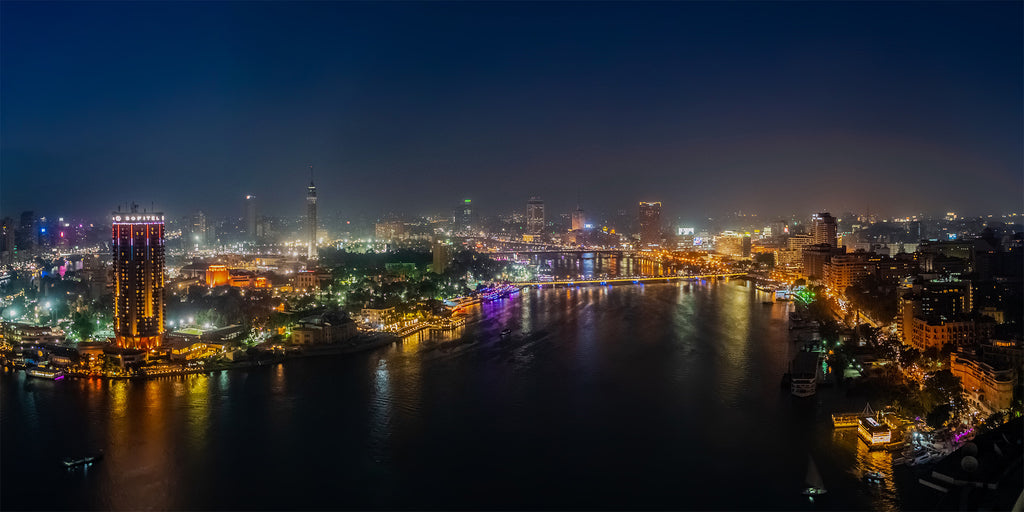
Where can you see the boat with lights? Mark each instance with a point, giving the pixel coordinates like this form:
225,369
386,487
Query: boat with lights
83,461
43,372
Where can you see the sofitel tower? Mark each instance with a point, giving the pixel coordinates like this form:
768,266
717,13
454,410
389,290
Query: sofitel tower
311,217
138,243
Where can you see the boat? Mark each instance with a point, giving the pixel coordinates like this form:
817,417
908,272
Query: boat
83,461
804,374
506,331
43,372
874,477
767,302
815,485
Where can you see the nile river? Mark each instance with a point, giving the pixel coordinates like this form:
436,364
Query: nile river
643,396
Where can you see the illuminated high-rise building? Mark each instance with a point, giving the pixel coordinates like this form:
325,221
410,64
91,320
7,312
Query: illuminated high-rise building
311,217
442,253
138,250
578,219
650,222
250,218
465,217
823,228
535,216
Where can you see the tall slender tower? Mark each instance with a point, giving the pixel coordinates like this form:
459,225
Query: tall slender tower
138,246
311,217
250,217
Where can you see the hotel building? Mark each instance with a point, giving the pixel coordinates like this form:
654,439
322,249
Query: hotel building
138,250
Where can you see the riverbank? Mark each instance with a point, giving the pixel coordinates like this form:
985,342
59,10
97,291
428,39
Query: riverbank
361,343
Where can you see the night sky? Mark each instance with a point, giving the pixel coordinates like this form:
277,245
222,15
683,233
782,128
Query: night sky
410,107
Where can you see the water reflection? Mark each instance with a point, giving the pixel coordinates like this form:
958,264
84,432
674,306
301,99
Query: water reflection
380,413
628,395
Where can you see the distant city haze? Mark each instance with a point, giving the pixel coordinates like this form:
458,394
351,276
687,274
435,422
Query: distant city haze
706,107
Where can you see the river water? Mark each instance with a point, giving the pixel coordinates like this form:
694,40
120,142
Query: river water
637,396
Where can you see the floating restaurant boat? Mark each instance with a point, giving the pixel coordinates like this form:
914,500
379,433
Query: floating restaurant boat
874,429
43,372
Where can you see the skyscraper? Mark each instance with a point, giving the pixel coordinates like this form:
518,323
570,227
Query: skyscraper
465,218
6,241
650,222
199,231
138,247
823,229
250,218
578,219
442,253
25,237
535,216
311,217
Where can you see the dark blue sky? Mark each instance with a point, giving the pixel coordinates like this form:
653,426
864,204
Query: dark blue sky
709,107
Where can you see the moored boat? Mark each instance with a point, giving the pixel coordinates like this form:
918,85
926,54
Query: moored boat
804,374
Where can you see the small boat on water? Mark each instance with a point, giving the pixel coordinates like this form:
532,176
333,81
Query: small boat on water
874,477
506,331
815,485
767,302
83,461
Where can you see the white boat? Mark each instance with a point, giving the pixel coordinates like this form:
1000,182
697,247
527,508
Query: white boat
803,373
815,485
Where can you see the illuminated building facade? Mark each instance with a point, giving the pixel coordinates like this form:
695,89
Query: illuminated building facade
217,275
650,222
442,254
845,270
579,220
534,216
311,218
823,229
984,385
138,251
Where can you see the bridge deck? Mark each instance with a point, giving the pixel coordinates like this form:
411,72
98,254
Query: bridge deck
628,280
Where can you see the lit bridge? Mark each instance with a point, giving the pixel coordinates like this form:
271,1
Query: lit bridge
630,280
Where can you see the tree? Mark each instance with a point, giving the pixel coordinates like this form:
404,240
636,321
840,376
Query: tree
83,325
938,416
943,389
766,258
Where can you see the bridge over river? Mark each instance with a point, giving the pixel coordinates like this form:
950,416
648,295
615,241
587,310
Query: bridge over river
630,280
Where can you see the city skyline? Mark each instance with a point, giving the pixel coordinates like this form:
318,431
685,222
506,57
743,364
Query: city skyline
709,108
511,255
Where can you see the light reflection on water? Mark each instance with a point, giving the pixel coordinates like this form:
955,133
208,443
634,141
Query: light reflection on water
665,395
